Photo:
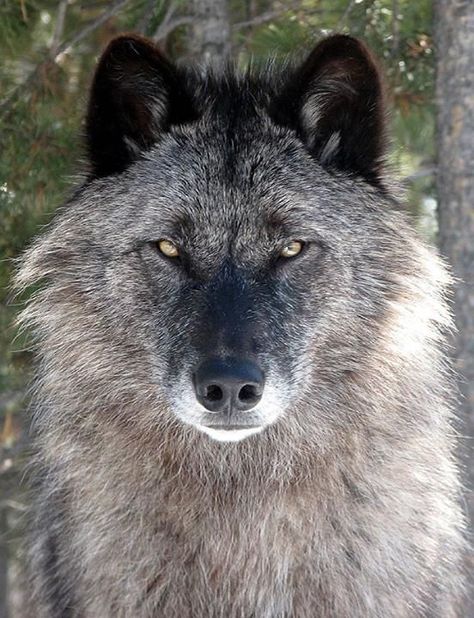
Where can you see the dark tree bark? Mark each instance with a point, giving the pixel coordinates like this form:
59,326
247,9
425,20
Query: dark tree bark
455,97
211,35
3,565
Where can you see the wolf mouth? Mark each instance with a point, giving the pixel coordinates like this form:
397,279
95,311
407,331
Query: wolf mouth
229,433
231,427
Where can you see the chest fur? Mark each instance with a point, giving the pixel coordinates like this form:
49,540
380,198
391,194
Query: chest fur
193,553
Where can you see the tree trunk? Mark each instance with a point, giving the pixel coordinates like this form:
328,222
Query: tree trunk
3,565
454,29
210,36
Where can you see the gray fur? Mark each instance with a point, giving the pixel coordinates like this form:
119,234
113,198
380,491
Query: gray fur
346,504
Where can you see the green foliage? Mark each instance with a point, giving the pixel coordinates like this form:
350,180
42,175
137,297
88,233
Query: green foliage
40,121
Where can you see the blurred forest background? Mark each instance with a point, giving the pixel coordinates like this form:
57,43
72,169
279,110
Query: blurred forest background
49,48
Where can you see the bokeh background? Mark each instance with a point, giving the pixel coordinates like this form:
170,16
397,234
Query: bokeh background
49,49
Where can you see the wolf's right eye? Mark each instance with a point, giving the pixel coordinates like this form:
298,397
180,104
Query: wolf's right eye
168,248
292,249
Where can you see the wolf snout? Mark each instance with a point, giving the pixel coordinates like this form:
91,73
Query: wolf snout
228,385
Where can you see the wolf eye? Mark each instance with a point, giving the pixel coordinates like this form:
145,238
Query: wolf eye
292,249
168,248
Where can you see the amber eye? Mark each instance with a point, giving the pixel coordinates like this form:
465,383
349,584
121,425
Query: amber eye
168,248
292,249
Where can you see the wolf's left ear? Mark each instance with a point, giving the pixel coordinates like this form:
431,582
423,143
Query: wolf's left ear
136,95
335,103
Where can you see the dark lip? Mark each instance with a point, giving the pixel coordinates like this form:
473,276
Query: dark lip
232,427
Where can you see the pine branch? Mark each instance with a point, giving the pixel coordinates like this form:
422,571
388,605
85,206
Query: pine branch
59,27
146,16
170,11
54,55
422,172
82,34
395,29
164,30
259,19
345,15
170,23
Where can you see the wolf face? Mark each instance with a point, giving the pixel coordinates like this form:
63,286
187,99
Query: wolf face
230,315
222,233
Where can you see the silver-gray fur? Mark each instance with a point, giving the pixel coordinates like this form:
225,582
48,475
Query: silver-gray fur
346,503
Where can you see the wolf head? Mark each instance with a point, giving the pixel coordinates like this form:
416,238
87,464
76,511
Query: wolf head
231,259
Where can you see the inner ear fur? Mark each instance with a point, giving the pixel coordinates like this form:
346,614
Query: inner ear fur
136,94
335,103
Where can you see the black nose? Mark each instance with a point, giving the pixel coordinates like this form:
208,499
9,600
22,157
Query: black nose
228,385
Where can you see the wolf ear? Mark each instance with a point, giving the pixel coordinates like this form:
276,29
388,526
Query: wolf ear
335,103
136,95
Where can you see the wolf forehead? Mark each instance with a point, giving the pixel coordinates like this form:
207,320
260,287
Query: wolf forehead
230,182
209,205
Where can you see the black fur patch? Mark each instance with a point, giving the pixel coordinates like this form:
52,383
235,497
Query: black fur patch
337,96
136,94
333,101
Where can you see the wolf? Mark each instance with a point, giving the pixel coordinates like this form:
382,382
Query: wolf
243,406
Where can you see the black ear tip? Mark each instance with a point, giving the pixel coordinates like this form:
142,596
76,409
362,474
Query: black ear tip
343,46
342,39
128,46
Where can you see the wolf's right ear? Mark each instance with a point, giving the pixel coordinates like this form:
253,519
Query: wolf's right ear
136,95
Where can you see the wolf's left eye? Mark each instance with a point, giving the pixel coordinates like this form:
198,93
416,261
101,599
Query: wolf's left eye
292,249
168,248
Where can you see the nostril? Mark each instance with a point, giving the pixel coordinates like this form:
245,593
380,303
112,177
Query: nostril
248,394
214,393
228,386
